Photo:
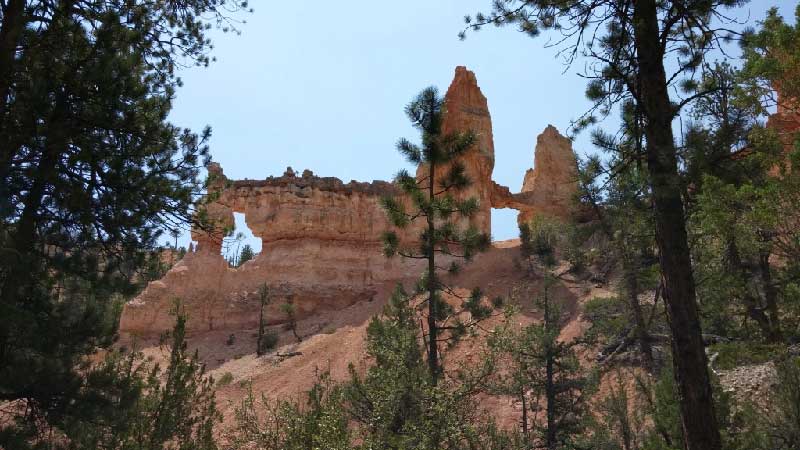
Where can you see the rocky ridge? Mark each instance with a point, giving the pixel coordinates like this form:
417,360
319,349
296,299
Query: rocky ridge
321,237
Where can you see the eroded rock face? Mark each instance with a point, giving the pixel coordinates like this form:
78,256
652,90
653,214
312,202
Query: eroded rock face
550,187
466,109
786,121
321,250
315,275
291,207
321,238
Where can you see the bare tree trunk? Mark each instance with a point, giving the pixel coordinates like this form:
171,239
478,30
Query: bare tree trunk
550,389
260,340
632,292
698,414
771,298
524,414
433,330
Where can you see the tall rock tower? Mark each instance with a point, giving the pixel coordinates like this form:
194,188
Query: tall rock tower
466,110
551,186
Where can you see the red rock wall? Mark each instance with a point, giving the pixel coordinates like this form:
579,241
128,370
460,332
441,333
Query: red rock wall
466,109
322,237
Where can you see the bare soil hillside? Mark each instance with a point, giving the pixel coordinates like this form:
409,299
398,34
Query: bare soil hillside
332,341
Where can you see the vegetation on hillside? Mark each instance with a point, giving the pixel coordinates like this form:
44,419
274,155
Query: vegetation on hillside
695,229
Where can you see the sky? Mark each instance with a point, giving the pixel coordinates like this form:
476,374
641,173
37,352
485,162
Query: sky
322,85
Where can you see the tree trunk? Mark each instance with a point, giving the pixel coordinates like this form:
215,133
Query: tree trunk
550,389
10,32
550,435
21,266
433,330
524,414
640,327
750,300
698,414
771,298
259,341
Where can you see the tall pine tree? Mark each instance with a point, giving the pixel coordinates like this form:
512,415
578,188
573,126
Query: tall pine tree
629,46
91,173
430,200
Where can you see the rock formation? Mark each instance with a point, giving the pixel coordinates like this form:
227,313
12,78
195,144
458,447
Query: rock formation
466,109
786,121
321,249
291,207
550,187
321,238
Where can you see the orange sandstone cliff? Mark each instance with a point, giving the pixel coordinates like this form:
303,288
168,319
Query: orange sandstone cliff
321,238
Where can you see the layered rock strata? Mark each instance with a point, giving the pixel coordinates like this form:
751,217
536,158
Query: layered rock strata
550,187
321,238
321,250
466,109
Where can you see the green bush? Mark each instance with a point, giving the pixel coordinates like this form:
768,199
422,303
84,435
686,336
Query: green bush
734,354
225,379
608,317
318,422
269,341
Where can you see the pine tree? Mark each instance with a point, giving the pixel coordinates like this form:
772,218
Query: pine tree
91,174
174,233
781,423
263,297
235,253
744,217
245,255
431,200
399,377
393,405
628,61
771,59
544,371
542,367
127,402
183,406
320,421
621,205
398,404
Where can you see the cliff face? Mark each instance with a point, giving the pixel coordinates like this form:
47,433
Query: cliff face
466,109
321,250
786,121
551,185
321,238
313,274
297,207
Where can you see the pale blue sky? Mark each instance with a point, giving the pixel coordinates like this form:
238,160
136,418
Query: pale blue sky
322,85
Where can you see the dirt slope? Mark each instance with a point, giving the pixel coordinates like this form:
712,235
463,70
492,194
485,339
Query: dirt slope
333,341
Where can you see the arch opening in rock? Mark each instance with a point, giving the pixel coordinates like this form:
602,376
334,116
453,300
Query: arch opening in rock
504,219
322,237
242,236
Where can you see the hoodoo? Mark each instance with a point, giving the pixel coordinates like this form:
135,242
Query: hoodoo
321,238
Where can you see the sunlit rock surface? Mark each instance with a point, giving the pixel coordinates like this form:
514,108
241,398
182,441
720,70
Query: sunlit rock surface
321,237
